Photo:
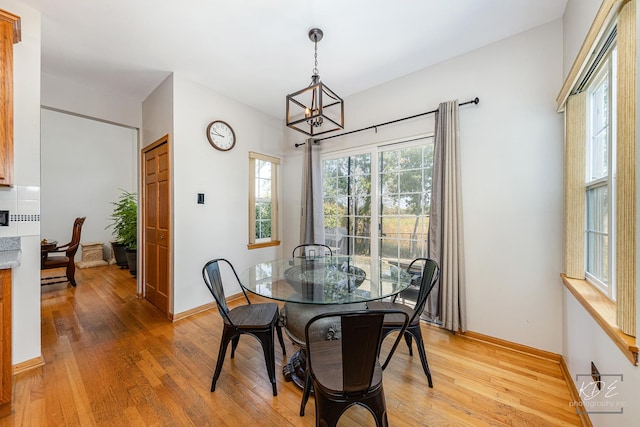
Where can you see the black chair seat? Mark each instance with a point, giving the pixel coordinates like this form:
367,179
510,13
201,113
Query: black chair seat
329,370
346,371
253,316
257,320
393,319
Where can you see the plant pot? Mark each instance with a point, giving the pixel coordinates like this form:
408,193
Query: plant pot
132,260
120,254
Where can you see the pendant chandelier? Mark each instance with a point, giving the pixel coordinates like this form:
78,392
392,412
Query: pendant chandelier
315,109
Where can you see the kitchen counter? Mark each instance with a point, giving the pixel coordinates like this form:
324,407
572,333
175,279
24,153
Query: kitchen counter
10,252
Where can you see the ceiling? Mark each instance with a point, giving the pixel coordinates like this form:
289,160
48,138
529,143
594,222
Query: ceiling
258,51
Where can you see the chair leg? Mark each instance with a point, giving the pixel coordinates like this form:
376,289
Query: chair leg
266,339
234,345
328,411
378,408
305,393
423,354
71,270
222,351
279,332
408,339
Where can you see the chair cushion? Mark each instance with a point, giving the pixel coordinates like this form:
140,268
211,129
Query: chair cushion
56,261
254,315
393,319
327,366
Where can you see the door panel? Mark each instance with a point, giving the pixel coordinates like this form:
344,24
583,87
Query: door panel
157,220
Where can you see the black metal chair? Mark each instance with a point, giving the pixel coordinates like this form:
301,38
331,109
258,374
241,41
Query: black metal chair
67,260
258,320
428,279
343,364
312,249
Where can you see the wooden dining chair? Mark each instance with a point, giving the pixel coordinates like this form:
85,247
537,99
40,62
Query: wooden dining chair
428,279
343,364
258,320
47,261
312,249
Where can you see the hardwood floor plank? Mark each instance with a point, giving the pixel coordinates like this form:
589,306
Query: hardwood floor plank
112,359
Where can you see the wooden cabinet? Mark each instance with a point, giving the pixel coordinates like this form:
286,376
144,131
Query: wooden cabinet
5,340
9,34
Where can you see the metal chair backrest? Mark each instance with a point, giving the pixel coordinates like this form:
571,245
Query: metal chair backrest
213,281
312,249
428,280
360,334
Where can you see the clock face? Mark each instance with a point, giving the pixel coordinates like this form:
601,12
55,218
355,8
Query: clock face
221,135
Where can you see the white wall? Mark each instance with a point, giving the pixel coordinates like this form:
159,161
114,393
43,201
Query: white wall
584,340
84,164
157,121
157,113
576,21
71,96
183,109
25,195
511,174
219,228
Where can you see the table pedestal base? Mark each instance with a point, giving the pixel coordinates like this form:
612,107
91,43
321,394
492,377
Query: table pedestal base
293,318
295,368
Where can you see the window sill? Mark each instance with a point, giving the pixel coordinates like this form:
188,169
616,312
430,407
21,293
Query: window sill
263,244
603,311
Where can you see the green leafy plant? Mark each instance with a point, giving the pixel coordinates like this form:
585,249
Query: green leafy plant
125,220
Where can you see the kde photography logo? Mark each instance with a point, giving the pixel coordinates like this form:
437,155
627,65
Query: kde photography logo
601,396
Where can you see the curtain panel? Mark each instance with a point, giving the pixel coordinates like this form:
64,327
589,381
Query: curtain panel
312,221
574,185
626,191
445,236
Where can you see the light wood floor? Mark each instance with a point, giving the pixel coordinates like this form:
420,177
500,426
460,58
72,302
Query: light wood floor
113,360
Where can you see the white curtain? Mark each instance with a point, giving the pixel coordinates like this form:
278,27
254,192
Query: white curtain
312,221
445,239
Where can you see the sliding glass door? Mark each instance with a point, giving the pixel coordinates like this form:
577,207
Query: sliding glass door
384,213
404,200
347,204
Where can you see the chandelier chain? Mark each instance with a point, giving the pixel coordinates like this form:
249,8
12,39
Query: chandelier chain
315,56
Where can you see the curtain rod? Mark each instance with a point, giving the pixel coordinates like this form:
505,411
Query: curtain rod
475,100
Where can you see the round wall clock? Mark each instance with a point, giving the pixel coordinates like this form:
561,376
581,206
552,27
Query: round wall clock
221,136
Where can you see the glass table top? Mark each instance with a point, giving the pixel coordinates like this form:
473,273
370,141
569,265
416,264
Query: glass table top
325,280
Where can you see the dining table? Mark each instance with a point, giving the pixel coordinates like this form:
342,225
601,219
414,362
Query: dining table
312,285
45,247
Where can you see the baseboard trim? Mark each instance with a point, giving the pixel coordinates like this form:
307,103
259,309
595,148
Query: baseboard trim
174,317
27,365
532,351
575,395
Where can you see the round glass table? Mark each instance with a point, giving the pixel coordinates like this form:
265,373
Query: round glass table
314,285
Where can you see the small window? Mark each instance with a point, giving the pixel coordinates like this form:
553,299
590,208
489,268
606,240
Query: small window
263,200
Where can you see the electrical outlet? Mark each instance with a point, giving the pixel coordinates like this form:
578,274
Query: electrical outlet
595,374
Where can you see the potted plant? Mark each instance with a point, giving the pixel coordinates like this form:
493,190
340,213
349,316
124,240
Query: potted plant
125,229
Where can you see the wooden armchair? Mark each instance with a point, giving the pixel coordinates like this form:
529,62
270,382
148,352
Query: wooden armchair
66,260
